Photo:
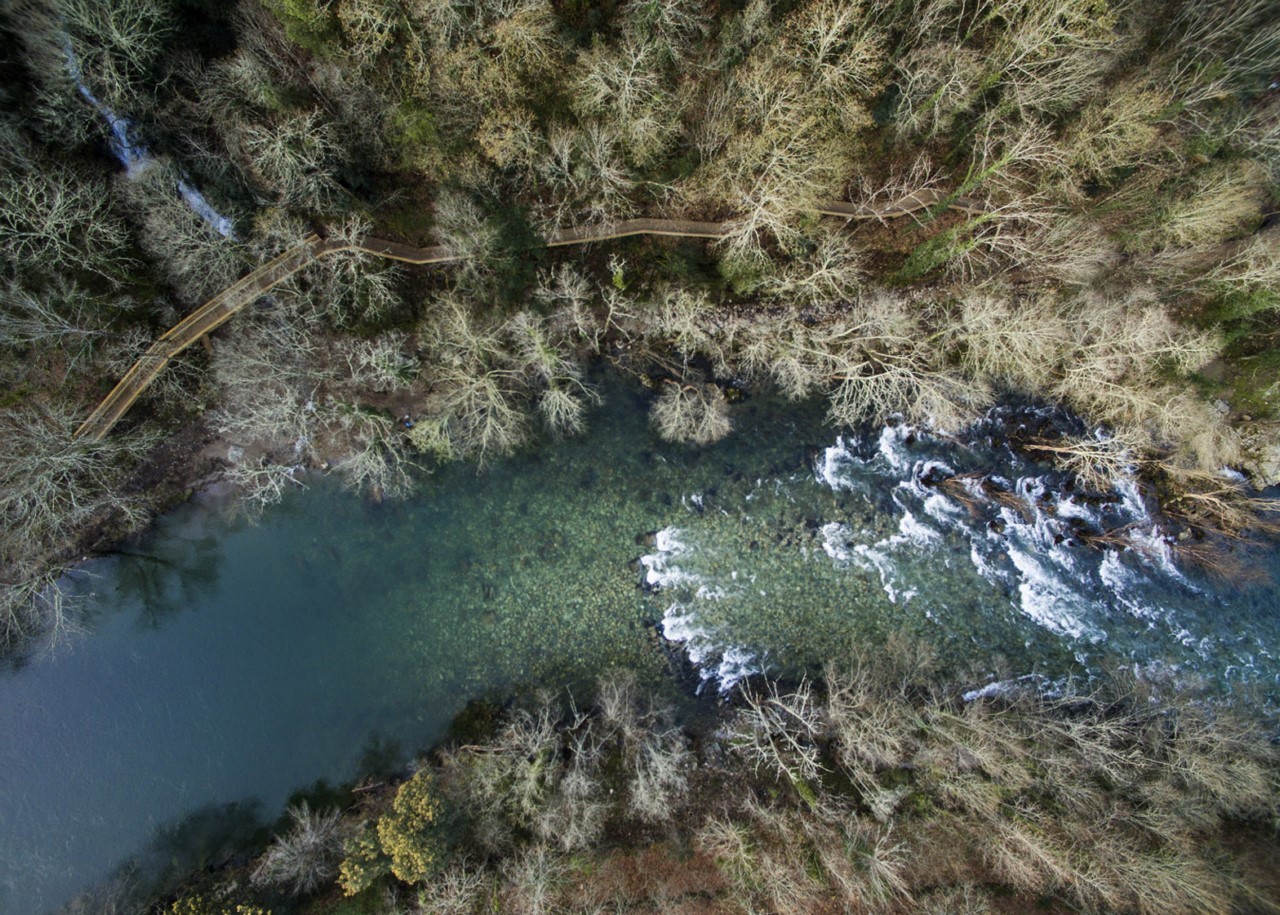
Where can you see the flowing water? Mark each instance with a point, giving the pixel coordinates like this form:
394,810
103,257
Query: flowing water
133,154
227,664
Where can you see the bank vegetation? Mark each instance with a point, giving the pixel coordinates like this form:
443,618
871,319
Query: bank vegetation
872,789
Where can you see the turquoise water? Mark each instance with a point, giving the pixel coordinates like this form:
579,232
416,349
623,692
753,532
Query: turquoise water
227,664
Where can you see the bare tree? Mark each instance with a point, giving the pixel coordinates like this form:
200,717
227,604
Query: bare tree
830,271
351,286
839,51
380,363
56,218
1119,129
370,28
1015,343
1255,266
305,858
1100,460
61,316
475,384
661,775
296,159
262,482
371,452
34,604
526,40
938,82
783,733
190,252
116,45
268,383
1114,373
1054,54
462,227
694,413
678,24
571,298
531,880
1216,47
1074,250
52,486
510,136
588,179
1221,202
625,87
577,809
869,729
450,19
455,891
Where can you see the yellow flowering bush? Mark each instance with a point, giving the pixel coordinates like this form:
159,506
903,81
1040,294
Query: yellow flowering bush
403,842
405,831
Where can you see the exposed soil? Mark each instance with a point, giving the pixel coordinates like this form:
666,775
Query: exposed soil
184,462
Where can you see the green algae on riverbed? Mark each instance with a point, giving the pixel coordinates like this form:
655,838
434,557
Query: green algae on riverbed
531,572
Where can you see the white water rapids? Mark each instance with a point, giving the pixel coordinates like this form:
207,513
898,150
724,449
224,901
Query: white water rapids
1006,538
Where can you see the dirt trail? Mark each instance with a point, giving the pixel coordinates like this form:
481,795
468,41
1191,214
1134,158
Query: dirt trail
249,288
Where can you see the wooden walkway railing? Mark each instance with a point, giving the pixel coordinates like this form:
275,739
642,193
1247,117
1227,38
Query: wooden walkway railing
219,309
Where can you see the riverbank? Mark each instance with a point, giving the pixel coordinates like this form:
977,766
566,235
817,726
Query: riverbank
876,789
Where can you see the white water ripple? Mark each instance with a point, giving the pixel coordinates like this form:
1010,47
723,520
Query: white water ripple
723,664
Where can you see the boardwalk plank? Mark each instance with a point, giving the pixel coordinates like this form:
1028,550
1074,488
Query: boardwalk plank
249,288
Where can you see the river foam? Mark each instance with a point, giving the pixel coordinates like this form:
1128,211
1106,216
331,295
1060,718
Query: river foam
939,522
722,664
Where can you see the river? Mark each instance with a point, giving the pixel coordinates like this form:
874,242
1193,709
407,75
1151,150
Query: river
226,664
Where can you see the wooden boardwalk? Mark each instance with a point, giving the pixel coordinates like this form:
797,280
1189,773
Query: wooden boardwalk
249,288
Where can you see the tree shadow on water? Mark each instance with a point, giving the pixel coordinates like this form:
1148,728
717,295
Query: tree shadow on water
163,583
381,756
208,837
123,893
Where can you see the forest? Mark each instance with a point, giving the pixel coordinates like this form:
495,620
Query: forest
1070,202
1101,178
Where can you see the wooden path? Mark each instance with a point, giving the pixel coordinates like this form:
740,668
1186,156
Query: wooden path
249,288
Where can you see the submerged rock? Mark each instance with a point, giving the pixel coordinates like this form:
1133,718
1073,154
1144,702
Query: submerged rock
934,474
